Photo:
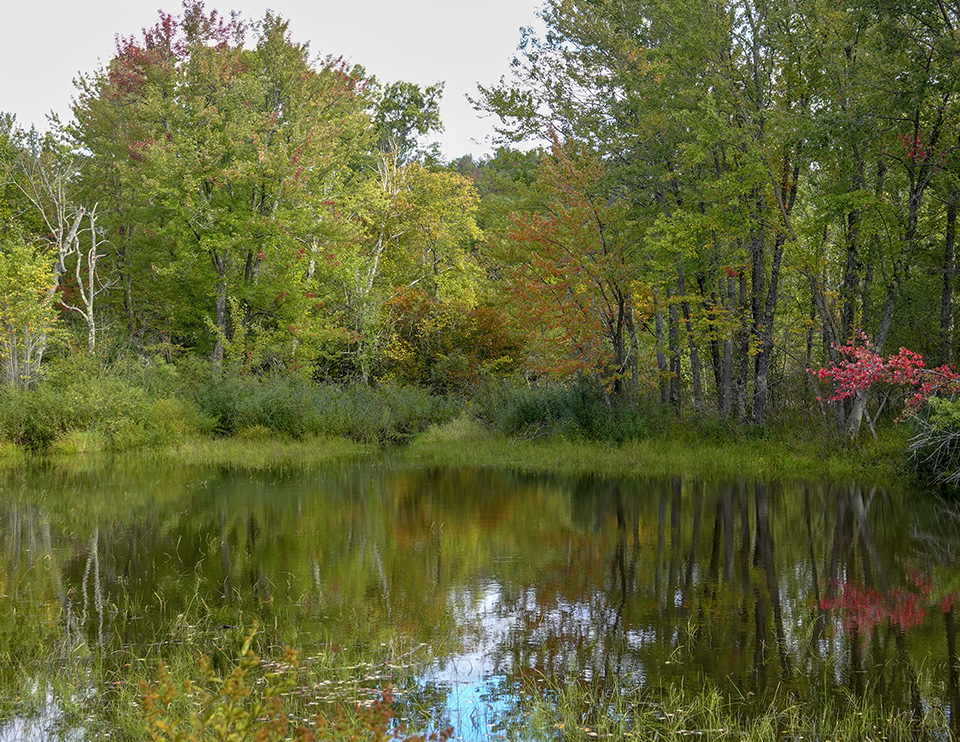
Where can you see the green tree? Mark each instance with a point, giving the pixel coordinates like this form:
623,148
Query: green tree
27,314
230,153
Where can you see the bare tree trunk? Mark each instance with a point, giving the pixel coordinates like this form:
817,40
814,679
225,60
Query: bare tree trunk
89,285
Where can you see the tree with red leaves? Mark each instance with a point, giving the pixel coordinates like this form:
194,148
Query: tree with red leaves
568,275
928,396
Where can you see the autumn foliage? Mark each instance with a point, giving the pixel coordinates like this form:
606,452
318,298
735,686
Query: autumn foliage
447,345
859,368
568,273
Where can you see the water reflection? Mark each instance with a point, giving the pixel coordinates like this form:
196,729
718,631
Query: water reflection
509,580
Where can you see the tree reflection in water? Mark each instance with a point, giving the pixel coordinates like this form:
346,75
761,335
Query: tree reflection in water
512,582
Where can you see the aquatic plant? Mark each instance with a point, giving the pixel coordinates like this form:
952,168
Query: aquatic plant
262,701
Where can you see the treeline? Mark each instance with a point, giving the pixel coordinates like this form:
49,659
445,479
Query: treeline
726,195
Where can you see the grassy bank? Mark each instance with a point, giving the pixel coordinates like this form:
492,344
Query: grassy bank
464,442
182,414
261,452
673,452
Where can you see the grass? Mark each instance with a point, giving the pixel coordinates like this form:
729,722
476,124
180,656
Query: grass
262,452
580,712
465,442
677,451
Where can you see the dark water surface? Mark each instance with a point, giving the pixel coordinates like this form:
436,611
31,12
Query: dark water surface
463,586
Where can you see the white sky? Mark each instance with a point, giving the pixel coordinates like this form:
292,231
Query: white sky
44,44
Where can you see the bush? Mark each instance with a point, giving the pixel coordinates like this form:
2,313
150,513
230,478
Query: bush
385,414
447,346
260,701
572,411
82,407
935,446
295,408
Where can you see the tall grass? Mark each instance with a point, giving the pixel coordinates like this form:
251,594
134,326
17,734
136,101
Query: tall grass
578,711
673,451
572,411
296,408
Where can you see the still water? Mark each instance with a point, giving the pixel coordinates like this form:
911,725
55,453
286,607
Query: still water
463,586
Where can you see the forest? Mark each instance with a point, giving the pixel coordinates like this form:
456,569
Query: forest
741,216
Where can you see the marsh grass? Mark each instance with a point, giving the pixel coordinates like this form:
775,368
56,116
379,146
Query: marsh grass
214,681
258,450
577,711
677,451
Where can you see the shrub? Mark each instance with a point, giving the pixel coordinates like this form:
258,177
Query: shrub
293,407
385,414
256,701
447,345
82,407
571,411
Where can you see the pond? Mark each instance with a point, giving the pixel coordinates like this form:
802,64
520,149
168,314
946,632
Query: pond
471,589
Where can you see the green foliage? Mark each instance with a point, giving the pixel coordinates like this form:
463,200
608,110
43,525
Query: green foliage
574,411
404,112
26,309
89,406
935,445
944,413
292,407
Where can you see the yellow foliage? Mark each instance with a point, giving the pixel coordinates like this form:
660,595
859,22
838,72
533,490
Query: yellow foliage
27,315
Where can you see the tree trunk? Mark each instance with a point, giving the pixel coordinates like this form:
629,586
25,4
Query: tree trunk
220,265
713,308
692,342
949,274
633,367
761,392
726,374
743,360
674,336
851,272
662,368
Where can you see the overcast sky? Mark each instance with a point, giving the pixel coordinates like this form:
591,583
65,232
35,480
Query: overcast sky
44,44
